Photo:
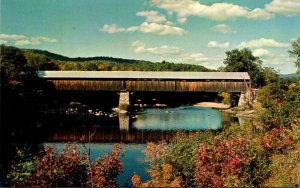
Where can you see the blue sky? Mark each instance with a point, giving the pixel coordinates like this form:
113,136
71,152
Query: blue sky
181,31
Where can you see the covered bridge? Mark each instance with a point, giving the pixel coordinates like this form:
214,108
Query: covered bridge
128,81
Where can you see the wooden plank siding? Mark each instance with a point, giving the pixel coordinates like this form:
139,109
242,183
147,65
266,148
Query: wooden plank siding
210,86
151,85
99,85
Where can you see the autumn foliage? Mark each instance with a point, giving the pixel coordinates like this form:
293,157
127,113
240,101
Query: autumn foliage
221,162
161,173
68,168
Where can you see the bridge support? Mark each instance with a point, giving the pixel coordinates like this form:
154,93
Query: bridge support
124,98
247,98
124,122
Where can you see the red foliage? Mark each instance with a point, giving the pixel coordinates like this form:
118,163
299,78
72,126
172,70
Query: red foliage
278,139
220,162
106,168
70,168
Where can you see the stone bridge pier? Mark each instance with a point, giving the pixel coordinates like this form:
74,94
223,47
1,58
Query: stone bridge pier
124,98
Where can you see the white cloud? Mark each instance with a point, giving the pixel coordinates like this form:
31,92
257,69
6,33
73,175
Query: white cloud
182,20
113,28
152,16
263,42
22,40
281,59
197,57
12,37
222,28
160,29
139,47
34,41
215,44
3,41
261,52
173,53
284,7
216,11
259,13
146,27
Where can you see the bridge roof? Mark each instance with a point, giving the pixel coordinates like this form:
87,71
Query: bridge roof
143,75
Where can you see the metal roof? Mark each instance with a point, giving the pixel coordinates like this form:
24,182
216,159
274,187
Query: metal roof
143,75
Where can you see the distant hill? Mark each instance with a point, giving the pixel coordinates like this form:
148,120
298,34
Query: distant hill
288,75
107,63
58,57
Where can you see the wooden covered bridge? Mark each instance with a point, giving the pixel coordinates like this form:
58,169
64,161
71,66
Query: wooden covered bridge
134,81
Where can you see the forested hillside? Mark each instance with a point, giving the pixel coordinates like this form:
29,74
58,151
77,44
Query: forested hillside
46,60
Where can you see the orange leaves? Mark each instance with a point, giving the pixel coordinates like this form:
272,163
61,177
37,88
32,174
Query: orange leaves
161,173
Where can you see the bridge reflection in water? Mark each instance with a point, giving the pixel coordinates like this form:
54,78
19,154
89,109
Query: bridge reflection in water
147,125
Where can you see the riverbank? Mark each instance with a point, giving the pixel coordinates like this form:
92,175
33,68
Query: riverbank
214,105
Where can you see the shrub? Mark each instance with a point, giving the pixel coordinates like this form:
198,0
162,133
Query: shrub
161,173
68,168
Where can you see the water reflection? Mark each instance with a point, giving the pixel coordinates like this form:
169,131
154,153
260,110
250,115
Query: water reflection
147,125
181,118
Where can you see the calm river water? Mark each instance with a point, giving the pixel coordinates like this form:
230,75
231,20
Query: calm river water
151,124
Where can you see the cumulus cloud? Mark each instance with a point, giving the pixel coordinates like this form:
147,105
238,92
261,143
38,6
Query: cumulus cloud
34,41
152,16
222,28
12,36
261,52
146,27
22,40
263,42
284,7
216,11
215,44
140,47
160,29
197,57
172,52
113,28
3,41
154,23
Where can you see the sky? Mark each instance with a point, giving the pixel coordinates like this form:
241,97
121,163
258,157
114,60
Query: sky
180,31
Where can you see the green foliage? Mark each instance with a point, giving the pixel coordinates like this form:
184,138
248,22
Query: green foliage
12,63
244,61
295,52
182,154
22,167
39,62
121,66
280,100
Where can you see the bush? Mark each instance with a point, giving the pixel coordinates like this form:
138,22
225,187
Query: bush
68,168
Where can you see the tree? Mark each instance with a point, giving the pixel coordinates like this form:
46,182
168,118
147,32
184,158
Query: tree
12,63
37,61
244,61
295,52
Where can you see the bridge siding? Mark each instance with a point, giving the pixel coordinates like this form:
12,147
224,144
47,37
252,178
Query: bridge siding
136,85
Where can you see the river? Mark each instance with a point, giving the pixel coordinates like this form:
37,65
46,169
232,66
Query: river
132,131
